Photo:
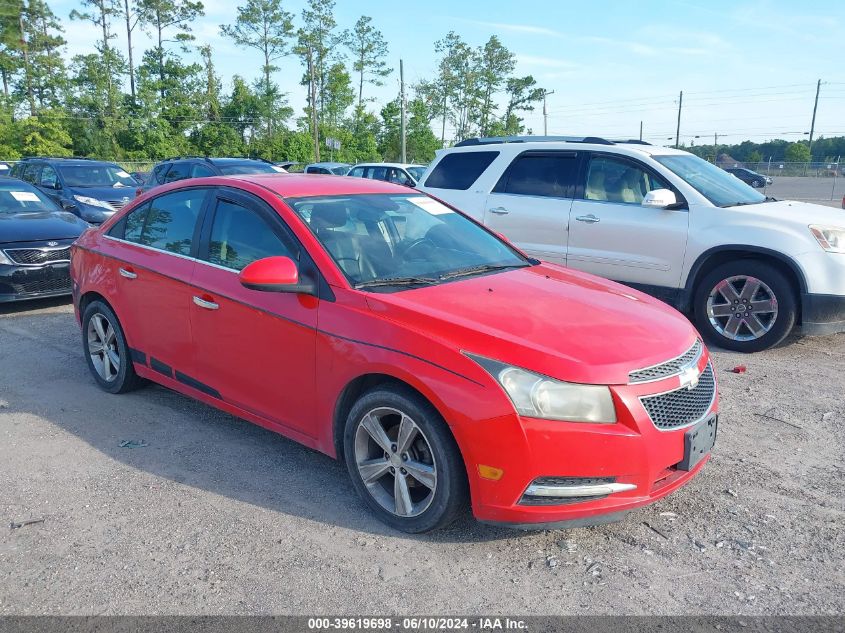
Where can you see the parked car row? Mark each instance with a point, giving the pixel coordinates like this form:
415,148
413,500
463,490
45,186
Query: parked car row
749,177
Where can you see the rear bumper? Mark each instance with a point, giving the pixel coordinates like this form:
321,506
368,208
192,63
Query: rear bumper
21,283
822,314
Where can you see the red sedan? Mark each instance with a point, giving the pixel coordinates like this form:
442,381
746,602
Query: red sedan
380,326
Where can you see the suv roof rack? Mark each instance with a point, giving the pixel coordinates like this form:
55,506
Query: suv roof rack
205,158
491,140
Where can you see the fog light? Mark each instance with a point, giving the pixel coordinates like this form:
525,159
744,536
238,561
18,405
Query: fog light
489,472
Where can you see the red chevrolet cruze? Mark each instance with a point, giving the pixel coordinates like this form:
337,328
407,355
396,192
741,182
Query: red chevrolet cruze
378,325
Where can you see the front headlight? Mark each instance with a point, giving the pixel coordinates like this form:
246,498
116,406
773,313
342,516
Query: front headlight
93,202
830,238
539,396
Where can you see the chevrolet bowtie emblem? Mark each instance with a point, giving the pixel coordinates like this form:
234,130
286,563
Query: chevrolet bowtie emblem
689,377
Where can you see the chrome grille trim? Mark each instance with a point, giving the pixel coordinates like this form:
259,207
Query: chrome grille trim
682,407
669,368
38,256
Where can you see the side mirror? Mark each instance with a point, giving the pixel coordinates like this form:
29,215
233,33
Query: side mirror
660,199
53,185
275,274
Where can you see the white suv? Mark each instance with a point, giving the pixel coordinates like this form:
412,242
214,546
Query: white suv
748,267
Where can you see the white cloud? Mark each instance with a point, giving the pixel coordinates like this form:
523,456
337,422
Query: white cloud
515,28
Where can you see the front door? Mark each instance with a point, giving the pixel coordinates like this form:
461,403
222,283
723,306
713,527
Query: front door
611,234
530,203
254,349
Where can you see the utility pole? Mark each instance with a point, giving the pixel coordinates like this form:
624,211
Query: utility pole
546,112
678,130
715,147
813,123
641,130
402,108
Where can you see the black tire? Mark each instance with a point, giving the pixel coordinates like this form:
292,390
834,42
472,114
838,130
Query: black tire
779,326
756,183
450,497
124,379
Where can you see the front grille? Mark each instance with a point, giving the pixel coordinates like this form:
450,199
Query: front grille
60,284
683,406
38,256
669,368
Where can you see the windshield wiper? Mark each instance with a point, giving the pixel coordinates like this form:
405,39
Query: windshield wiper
770,199
480,269
739,204
397,281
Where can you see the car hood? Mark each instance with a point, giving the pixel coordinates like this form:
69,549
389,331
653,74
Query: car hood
558,322
40,225
105,193
802,213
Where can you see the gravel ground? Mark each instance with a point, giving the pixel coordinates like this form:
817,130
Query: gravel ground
216,516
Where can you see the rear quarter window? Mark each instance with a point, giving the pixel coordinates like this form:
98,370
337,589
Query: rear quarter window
459,170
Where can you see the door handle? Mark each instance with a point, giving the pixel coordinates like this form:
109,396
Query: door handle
499,210
208,305
589,219
128,273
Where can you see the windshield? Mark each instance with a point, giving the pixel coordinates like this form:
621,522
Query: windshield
96,176
249,168
18,197
416,172
341,170
387,241
715,184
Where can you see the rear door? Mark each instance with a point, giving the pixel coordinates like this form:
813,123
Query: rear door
530,204
611,234
254,349
153,250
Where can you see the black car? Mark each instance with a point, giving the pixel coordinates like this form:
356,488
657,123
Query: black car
35,239
182,167
749,177
90,189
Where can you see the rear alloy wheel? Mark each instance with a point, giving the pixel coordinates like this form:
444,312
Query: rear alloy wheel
106,351
403,460
745,306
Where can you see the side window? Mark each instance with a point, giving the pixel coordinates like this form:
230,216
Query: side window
178,171
159,172
49,177
30,173
377,173
550,175
168,222
201,171
356,172
130,227
620,181
459,170
239,236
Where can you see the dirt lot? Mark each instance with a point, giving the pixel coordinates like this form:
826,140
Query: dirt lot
214,515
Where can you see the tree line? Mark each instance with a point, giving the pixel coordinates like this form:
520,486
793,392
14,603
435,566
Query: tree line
120,103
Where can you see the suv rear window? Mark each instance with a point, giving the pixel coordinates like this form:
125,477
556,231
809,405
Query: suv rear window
459,170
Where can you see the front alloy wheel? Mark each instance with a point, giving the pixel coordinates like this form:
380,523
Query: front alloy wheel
745,306
403,460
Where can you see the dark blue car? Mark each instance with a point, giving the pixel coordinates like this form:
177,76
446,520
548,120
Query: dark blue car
90,189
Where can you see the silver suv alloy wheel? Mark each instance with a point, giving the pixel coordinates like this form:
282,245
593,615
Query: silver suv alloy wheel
395,461
742,308
103,348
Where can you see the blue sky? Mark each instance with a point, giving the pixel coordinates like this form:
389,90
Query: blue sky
747,69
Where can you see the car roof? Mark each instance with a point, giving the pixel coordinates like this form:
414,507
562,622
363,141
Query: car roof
231,160
403,165
66,161
304,185
626,149
327,164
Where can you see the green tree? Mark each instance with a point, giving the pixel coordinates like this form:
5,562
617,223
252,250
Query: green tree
265,26
797,153
160,17
495,64
100,13
369,50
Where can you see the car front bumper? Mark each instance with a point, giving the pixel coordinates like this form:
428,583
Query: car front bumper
20,283
622,466
822,314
